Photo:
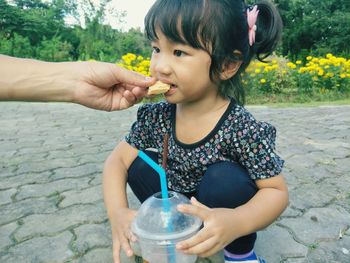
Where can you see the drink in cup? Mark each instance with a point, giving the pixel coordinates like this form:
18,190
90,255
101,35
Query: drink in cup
159,227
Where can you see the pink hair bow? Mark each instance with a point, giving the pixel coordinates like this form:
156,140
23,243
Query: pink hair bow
252,15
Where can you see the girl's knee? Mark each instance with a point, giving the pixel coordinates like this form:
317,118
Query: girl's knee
227,172
226,184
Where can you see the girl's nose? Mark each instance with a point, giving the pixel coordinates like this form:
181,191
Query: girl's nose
162,66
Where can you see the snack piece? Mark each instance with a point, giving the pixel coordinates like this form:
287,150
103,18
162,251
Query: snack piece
158,88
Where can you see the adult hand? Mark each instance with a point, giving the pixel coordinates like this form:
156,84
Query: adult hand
218,230
98,85
105,86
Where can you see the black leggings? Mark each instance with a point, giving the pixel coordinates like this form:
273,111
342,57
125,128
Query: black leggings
224,184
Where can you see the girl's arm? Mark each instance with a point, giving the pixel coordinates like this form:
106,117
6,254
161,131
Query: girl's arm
115,198
265,207
223,225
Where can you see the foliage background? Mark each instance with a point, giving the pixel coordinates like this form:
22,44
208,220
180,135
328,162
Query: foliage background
37,29
312,28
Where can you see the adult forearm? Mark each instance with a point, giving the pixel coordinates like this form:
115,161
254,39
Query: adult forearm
32,80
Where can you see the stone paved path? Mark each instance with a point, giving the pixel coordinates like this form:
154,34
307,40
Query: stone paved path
51,207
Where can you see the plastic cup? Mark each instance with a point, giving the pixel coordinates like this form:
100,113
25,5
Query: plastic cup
159,227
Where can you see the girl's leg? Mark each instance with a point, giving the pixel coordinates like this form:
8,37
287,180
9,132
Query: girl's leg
228,185
142,179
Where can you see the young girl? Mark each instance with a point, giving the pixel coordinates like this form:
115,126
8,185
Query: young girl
219,155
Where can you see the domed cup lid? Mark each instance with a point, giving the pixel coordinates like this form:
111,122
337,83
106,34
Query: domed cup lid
159,219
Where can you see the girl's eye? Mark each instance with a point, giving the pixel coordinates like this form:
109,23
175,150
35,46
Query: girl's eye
156,50
178,53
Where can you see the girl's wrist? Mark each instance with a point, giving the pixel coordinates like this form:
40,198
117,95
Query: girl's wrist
241,226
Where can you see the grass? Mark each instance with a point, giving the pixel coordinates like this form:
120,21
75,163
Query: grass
285,100
303,104
280,101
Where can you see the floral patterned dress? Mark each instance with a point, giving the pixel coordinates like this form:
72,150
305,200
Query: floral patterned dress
237,137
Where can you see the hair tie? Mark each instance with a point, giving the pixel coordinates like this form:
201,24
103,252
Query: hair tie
252,15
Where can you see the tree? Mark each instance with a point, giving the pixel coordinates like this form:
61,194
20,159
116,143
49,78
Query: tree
54,50
315,26
38,29
17,45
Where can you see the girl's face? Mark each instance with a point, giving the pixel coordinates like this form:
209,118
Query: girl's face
186,69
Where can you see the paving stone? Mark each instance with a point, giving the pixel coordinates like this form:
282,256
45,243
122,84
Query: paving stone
15,181
332,251
46,165
19,159
14,211
46,189
304,196
217,258
295,260
97,180
41,249
318,224
46,152
276,244
98,158
342,166
60,220
5,233
82,196
5,196
91,236
77,171
100,255
7,171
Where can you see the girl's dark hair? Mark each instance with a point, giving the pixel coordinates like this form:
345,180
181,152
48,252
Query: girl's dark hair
219,27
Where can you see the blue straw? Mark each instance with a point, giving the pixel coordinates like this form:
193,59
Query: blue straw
165,195
159,170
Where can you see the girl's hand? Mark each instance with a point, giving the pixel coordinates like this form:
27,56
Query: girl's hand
218,231
121,233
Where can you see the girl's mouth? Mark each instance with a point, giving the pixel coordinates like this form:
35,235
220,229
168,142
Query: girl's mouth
172,90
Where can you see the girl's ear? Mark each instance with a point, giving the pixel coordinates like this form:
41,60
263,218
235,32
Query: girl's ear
230,68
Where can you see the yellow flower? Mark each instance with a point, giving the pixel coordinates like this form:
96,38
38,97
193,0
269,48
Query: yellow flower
302,70
298,62
291,65
308,58
262,81
131,56
342,76
257,71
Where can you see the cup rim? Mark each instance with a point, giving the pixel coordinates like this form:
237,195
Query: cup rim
166,236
